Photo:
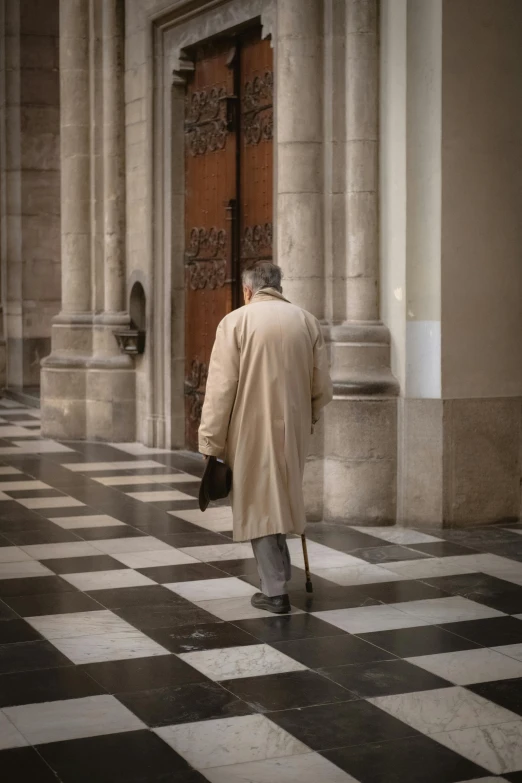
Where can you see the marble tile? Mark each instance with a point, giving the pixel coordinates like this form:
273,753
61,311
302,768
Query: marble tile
13,554
138,449
107,580
13,431
216,519
226,741
447,610
231,609
511,650
220,552
93,520
120,546
10,737
38,447
76,624
11,486
7,471
153,478
470,666
443,710
306,768
23,569
424,569
366,619
365,574
253,660
57,721
117,646
151,558
320,556
68,549
496,748
3,496
59,502
88,467
397,535
212,589
159,495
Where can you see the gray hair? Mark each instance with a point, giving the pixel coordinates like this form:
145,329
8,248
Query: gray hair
262,274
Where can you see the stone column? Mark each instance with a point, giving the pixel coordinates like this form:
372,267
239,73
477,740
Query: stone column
299,151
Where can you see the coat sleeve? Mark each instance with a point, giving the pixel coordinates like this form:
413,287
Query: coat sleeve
321,383
223,376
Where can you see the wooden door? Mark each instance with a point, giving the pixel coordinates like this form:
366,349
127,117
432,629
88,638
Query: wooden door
228,193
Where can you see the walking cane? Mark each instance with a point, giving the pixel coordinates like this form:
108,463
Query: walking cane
309,586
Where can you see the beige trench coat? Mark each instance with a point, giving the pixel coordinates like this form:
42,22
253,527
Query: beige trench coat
268,380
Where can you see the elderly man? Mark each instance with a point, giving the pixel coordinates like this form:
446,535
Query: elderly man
268,381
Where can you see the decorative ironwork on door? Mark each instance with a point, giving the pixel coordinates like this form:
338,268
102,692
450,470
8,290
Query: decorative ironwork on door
228,192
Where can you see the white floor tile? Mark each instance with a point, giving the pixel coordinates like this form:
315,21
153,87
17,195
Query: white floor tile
152,558
213,743
3,496
10,486
365,574
153,478
23,569
58,502
87,467
231,609
511,650
107,580
208,554
397,535
470,666
429,567
443,709
12,554
118,546
13,431
212,589
68,549
253,660
118,646
214,519
321,556
496,748
138,449
7,471
40,447
159,495
306,768
447,610
75,624
366,619
10,737
57,721
93,520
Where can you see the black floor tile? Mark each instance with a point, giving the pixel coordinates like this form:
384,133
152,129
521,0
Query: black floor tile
82,565
413,760
25,494
24,765
147,617
427,640
181,573
443,549
176,505
52,603
139,674
332,651
491,632
131,757
209,636
184,704
28,656
342,538
101,533
148,595
507,693
488,590
515,777
34,585
292,690
288,628
324,599
481,538
52,535
79,511
183,540
384,678
337,725
245,567
32,687
167,526
404,590
387,554
14,631
6,613
4,541
23,524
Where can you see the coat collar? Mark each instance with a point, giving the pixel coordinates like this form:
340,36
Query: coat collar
268,293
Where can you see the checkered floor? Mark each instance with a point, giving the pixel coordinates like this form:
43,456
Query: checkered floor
129,651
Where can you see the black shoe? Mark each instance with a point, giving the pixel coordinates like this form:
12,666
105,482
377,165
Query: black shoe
279,604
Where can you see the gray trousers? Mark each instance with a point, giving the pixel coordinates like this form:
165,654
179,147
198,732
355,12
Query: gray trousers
273,564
